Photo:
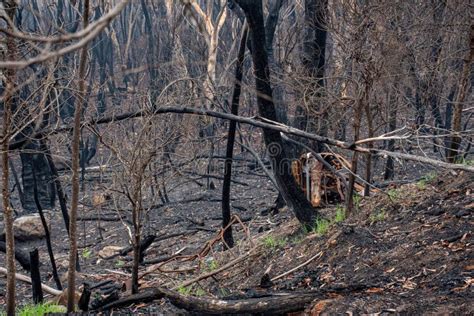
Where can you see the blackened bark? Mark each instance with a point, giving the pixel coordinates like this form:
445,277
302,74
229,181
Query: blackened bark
454,153
20,255
392,125
270,26
144,245
35,277
315,42
46,232
83,303
34,161
228,239
57,184
354,161
292,194
314,61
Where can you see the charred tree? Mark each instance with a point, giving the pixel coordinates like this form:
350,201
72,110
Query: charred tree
35,277
314,60
454,150
46,233
292,194
392,125
228,239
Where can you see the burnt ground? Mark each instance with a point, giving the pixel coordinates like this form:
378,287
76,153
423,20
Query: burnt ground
407,250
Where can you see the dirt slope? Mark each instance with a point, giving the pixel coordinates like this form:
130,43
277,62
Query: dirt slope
408,250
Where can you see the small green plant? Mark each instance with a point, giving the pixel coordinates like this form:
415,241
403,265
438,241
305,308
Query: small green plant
421,185
298,238
86,253
184,290
393,194
378,216
357,198
223,292
188,290
212,265
321,226
119,263
40,309
425,180
199,292
272,243
464,161
340,214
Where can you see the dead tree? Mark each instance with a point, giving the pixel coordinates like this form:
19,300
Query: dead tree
293,195
453,153
71,280
35,277
228,239
314,60
8,95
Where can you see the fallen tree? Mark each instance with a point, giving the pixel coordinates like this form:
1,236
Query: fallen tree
271,304
254,121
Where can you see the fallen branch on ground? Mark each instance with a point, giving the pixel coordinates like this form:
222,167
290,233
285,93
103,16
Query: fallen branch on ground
223,268
281,304
297,267
26,279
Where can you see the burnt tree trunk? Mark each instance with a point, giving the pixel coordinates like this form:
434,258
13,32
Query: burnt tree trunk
228,239
454,150
35,277
292,194
46,233
314,60
392,125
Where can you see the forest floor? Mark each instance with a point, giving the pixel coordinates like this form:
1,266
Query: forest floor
406,250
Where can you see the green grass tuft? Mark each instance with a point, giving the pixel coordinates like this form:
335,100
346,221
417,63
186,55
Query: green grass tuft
340,214
425,180
273,243
212,265
377,216
189,290
393,194
321,226
356,199
39,309
185,290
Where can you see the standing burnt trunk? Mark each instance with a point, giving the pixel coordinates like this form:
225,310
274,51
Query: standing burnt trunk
35,277
228,239
292,194
46,232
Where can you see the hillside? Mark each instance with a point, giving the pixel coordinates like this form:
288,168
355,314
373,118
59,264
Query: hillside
406,250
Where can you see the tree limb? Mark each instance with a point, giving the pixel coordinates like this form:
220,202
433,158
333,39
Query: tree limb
254,121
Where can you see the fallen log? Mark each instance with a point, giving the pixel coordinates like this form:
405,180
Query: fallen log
26,279
274,304
101,218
